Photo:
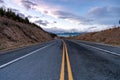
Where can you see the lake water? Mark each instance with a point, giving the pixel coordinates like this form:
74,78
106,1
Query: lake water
68,34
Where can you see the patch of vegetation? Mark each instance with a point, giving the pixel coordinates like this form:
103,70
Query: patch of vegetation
12,15
1,48
53,35
8,13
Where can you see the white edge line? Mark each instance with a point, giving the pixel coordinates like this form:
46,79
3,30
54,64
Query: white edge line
8,63
100,49
102,44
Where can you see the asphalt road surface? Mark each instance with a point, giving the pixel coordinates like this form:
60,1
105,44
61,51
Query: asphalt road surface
61,60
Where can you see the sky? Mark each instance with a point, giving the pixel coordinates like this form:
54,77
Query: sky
68,15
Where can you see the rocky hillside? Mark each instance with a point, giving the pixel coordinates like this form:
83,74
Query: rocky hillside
110,36
15,34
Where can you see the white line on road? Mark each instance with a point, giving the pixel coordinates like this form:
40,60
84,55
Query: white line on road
101,44
114,53
8,63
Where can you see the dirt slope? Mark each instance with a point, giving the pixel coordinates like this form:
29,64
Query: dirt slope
15,34
110,36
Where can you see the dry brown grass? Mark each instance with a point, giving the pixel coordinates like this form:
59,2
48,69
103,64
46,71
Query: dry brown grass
109,36
16,34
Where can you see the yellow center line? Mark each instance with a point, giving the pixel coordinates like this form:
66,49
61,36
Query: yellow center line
62,74
70,76
62,66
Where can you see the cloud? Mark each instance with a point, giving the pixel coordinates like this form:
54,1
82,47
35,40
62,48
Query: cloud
54,22
89,28
54,11
32,16
21,15
28,4
18,12
55,30
42,22
29,16
105,15
60,30
105,11
1,1
70,16
14,10
61,14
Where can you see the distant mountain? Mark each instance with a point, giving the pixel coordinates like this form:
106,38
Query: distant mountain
68,34
109,36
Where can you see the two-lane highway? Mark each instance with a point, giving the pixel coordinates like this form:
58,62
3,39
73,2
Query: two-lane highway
61,60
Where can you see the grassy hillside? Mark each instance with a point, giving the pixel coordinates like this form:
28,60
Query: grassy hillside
109,36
